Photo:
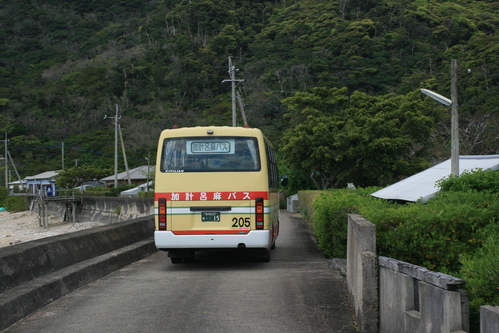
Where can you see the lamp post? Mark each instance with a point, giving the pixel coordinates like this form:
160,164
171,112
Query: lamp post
454,159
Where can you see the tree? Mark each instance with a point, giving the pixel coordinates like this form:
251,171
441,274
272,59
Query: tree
78,175
362,139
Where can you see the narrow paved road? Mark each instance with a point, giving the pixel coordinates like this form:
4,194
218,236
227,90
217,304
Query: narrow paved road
219,292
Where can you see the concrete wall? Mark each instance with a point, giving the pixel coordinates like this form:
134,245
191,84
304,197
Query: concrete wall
35,273
104,209
362,278
489,319
292,204
414,299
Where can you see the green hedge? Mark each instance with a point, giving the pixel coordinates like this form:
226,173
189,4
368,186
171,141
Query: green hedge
4,194
144,194
12,203
101,191
307,199
456,232
330,219
16,204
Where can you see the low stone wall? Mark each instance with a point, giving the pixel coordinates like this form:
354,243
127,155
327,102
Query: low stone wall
362,278
412,299
489,319
104,209
415,299
26,261
34,273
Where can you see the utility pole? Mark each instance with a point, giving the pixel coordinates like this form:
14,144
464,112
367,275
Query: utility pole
62,148
15,169
148,158
454,132
241,107
454,120
116,118
6,162
233,80
124,157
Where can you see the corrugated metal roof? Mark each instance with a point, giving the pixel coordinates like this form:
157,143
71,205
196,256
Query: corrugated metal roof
137,173
423,185
44,175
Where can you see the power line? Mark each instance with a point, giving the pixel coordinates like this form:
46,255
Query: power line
77,148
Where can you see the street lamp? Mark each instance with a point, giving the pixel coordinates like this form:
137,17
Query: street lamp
439,98
454,155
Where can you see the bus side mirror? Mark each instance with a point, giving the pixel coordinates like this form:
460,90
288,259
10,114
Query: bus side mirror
284,181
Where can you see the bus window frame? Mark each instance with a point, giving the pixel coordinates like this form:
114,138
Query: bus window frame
256,156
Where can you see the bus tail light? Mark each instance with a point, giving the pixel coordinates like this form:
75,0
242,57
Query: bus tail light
259,213
161,214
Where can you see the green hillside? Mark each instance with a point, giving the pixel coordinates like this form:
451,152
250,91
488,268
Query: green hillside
64,65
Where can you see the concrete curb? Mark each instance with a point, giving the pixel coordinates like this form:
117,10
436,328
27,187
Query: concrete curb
33,292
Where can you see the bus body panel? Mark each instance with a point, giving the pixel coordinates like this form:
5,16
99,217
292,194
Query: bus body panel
208,206
253,239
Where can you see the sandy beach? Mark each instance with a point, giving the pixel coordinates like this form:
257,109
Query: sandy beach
24,226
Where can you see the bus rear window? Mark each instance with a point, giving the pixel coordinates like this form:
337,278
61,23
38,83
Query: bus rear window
210,154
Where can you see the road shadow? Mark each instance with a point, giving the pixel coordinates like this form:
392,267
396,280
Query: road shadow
220,259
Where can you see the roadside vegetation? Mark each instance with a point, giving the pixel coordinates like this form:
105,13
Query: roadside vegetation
12,203
456,233
333,84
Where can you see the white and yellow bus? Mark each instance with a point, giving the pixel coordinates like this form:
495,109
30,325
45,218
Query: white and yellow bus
215,188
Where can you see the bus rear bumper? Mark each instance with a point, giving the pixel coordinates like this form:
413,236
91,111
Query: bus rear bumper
165,240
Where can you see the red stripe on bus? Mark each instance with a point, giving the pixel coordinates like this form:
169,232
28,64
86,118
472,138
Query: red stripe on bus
210,232
211,196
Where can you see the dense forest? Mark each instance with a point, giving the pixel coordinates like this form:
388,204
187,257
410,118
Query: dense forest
333,84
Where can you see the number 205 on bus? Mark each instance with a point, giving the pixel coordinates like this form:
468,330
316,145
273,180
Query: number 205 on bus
215,188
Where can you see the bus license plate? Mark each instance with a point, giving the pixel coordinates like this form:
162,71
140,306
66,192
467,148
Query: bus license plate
210,216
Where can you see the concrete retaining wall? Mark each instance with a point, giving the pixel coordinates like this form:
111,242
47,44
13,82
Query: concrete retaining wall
35,273
362,278
105,209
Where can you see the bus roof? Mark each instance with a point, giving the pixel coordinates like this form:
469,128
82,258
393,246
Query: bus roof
211,130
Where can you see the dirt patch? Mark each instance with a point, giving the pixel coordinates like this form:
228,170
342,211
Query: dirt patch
24,226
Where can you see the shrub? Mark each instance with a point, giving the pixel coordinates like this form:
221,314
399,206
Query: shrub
435,234
101,191
4,193
331,217
16,204
98,191
144,194
481,272
115,192
457,232
477,180
307,199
